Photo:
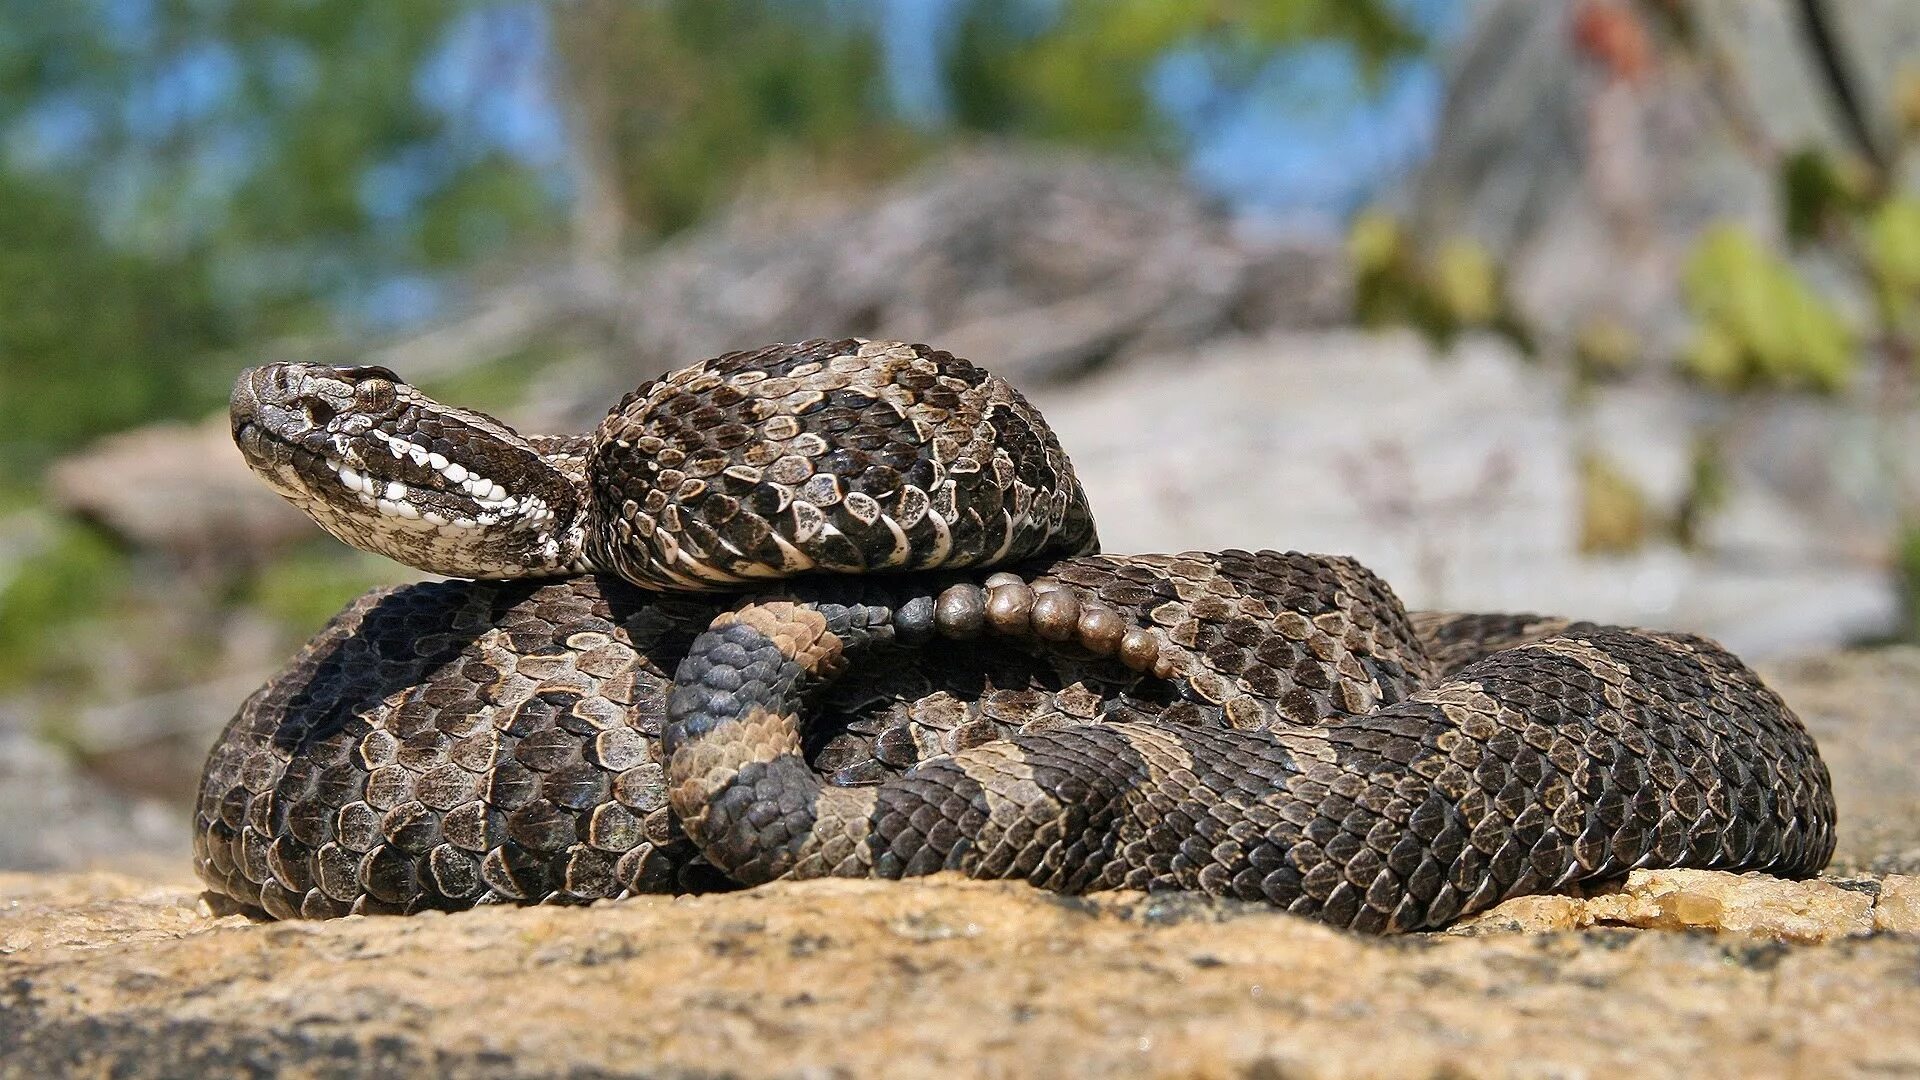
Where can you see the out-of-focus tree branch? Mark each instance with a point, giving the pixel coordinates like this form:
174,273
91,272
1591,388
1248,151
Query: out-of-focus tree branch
585,69
1822,38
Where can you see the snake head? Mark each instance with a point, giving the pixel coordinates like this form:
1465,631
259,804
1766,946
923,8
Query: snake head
387,469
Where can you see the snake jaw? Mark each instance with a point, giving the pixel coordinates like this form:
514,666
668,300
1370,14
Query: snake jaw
385,468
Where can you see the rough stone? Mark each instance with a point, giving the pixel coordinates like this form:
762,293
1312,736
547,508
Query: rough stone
1041,264
55,815
1457,477
1754,905
96,911
1897,910
919,978
183,490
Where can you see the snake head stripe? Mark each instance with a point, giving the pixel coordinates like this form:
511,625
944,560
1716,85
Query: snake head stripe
387,469
831,456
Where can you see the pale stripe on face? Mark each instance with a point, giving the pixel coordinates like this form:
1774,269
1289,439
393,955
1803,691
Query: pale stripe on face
387,469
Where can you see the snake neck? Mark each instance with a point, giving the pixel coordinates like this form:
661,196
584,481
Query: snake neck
387,469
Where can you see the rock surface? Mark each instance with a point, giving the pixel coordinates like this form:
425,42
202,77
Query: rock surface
1042,264
1458,478
180,489
1755,905
107,975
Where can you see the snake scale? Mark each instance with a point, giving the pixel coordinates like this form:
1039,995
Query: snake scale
643,698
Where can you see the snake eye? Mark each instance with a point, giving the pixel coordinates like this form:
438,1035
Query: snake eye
373,394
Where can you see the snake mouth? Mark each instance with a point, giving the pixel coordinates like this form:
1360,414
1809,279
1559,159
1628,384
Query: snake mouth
276,434
358,439
402,478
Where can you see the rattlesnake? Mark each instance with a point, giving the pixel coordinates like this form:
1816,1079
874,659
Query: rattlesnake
1261,725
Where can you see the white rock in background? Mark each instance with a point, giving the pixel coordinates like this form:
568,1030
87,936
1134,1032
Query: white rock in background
180,489
1456,477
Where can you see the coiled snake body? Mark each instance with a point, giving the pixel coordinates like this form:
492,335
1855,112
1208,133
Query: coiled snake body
1260,725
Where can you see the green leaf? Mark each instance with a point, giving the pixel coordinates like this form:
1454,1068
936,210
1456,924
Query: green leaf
75,576
1466,282
1374,241
1614,514
1081,74
1760,324
1714,358
1814,190
1893,246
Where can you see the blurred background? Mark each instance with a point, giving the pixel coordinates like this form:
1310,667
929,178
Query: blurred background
1603,307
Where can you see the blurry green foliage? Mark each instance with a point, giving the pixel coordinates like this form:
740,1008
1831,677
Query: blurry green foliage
676,104
1840,204
1466,283
1759,323
180,179
92,337
1708,488
498,385
74,575
1456,289
1906,102
1605,348
306,585
1907,569
1615,517
1391,283
1080,74
1818,192
1376,242
1892,249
